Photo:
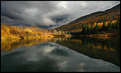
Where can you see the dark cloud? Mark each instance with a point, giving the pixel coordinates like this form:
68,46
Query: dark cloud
49,13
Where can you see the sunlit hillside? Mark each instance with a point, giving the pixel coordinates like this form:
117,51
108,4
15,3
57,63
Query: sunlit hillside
98,18
15,33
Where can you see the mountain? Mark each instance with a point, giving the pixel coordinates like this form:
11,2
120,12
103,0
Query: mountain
101,16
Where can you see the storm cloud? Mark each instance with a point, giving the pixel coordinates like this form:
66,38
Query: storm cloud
49,13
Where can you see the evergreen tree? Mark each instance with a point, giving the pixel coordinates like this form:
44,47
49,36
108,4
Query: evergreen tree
88,28
96,29
109,26
91,29
63,32
104,26
69,33
83,29
113,25
118,23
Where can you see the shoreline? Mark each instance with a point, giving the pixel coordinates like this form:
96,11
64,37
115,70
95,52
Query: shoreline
103,35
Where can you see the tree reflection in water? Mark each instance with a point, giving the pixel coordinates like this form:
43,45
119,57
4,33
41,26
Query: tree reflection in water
99,48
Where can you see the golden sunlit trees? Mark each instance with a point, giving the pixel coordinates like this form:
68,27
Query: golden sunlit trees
101,27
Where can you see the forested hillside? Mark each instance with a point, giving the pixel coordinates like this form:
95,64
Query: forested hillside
102,21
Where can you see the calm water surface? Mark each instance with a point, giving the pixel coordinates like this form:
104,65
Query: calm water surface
62,55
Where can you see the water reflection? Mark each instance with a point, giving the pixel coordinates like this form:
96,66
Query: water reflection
106,49
65,55
10,45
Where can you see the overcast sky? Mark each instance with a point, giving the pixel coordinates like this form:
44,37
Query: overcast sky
46,13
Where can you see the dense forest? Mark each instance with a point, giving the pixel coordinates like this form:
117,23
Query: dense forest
104,27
